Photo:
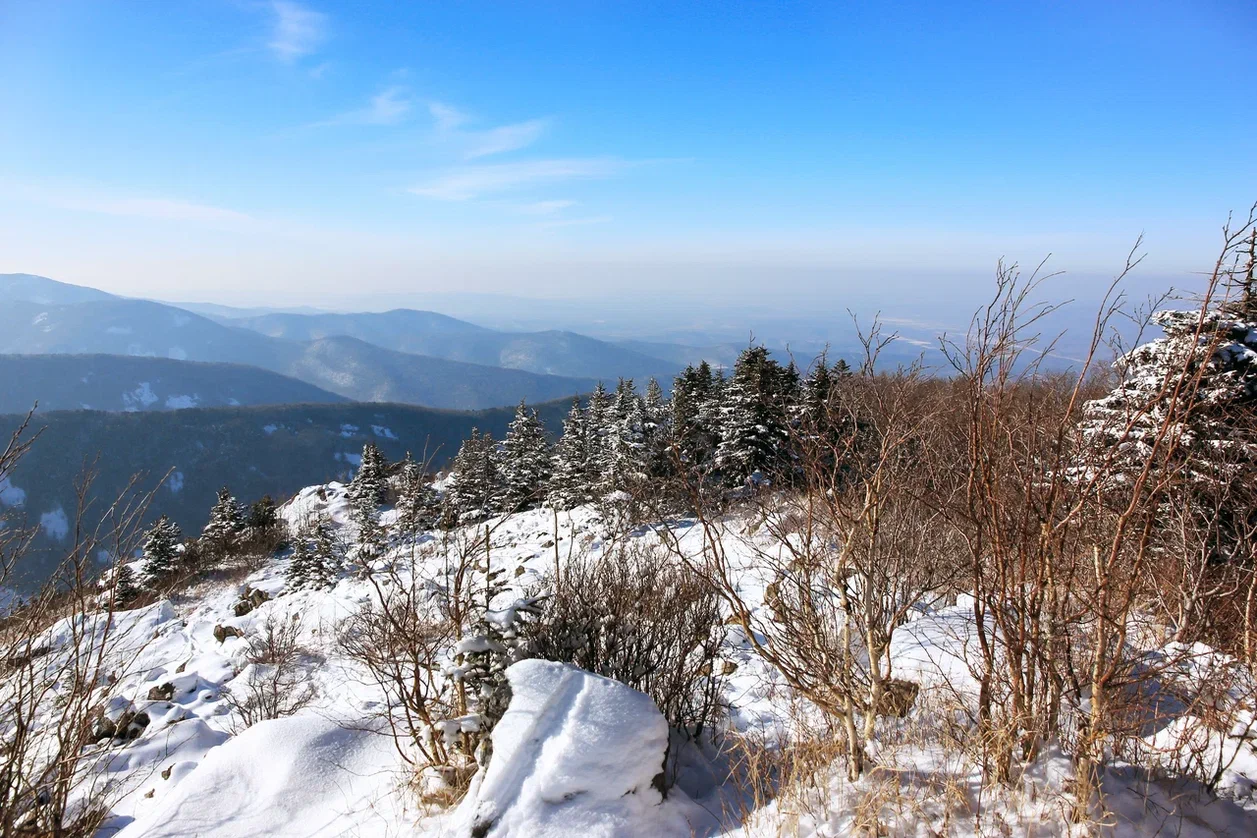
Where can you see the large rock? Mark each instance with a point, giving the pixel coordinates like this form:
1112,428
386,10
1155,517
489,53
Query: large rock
575,754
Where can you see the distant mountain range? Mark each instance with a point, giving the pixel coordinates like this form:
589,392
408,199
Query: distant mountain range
272,450
132,383
428,333
349,367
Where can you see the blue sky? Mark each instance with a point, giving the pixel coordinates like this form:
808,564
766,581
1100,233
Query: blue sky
285,151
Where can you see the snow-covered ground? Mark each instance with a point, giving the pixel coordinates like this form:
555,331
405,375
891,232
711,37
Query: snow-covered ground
575,754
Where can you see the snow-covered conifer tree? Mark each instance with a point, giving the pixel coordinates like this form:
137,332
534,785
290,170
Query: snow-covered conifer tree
694,420
475,483
525,460
367,486
225,522
365,492
1186,405
625,458
316,560
753,432
599,427
160,549
655,430
569,463
418,505
125,586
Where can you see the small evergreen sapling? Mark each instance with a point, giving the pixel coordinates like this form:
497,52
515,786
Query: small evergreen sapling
160,550
125,586
225,523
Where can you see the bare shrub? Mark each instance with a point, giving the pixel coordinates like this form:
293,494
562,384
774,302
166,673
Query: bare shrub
275,677
639,617
62,651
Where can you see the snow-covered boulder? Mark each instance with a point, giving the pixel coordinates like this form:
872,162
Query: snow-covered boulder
574,755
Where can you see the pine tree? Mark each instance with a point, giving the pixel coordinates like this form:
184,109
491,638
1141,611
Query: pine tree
754,433
367,486
475,485
484,654
525,460
316,561
569,465
418,506
656,430
695,415
224,525
365,492
262,514
625,459
599,426
1203,432
125,586
160,549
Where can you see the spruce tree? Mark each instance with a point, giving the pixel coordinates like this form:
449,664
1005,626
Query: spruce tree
1202,432
475,484
418,506
316,561
599,426
365,493
656,430
696,397
569,485
160,550
125,586
262,515
224,525
754,433
625,462
525,460
368,483
816,400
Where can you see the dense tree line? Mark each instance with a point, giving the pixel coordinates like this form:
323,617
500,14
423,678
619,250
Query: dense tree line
737,431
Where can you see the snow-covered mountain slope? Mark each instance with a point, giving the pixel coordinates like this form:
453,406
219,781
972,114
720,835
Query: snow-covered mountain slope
44,291
427,333
346,366
133,383
572,747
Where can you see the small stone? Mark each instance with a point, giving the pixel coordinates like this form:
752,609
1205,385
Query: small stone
221,633
165,692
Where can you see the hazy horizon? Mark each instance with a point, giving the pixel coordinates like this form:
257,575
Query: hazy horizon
254,153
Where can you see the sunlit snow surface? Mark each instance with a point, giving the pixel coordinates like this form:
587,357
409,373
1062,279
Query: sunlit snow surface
328,772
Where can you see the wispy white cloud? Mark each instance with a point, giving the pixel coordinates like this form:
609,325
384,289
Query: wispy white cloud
298,30
450,125
503,138
128,205
472,182
388,107
447,118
